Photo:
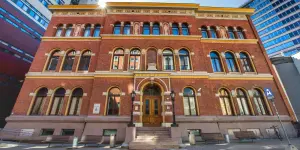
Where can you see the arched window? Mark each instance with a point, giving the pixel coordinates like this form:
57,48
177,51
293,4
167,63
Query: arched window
213,32
59,30
53,61
204,32
118,59
225,101
69,30
184,60
135,57
146,29
87,30
114,99
75,103
85,61
243,102
57,102
175,29
185,29
69,61
156,30
240,33
117,28
216,62
127,28
246,62
189,102
39,102
260,102
97,30
231,63
168,60
231,33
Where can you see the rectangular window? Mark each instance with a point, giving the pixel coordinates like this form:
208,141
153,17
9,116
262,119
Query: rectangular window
67,132
36,17
31,13
20,4
46,132
25,8
108,132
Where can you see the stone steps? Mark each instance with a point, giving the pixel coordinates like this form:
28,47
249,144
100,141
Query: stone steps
153,138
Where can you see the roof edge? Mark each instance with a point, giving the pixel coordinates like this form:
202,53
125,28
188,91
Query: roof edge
196,7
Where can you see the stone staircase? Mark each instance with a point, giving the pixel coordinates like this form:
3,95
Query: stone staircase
153,138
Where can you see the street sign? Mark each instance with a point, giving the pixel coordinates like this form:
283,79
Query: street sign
269,94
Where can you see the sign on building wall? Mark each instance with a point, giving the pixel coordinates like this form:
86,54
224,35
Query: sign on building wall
269,94
96,109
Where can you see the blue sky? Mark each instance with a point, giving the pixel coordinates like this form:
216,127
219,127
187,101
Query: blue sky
216,3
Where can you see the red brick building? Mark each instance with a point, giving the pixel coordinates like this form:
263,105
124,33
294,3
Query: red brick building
91,60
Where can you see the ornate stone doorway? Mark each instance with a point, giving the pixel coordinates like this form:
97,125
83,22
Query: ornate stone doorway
152,109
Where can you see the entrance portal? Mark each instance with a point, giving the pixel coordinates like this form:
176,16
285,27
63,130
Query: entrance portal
152,105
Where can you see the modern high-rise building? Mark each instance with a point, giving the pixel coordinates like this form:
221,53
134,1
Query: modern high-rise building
23,23
278,25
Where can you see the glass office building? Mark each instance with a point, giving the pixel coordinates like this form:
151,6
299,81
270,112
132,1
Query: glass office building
23,23
278,25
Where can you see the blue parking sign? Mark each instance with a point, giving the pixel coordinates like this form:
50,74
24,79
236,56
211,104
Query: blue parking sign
269,94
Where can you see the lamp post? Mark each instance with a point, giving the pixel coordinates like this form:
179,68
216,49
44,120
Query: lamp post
172,94
131,118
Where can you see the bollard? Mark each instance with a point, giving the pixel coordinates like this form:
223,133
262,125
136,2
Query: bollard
112,140
227,139
192,139
75,142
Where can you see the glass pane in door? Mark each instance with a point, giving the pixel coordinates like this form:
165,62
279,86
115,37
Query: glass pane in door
156,107
147,107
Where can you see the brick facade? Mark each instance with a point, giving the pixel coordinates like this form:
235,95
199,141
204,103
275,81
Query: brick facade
100,77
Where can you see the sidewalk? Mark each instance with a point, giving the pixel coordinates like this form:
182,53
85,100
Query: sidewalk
273,144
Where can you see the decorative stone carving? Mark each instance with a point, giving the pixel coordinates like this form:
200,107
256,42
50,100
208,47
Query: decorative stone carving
77,30
136,28
151,67
166,29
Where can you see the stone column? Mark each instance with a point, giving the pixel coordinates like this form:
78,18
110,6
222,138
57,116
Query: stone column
180,28
235,33
208,32
218,32
92,30
151,28
122,28
63,32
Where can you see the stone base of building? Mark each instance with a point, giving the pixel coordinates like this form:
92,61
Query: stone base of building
30,127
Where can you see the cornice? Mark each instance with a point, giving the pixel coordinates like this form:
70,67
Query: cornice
226,9
143,74
158,37
138,5
71,38
242,41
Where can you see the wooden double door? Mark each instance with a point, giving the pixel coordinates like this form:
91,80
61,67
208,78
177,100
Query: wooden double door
152,111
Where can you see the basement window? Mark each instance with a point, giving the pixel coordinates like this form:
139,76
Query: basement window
46,132
67,132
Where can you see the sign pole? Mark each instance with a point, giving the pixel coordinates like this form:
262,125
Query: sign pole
270,96
281,122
